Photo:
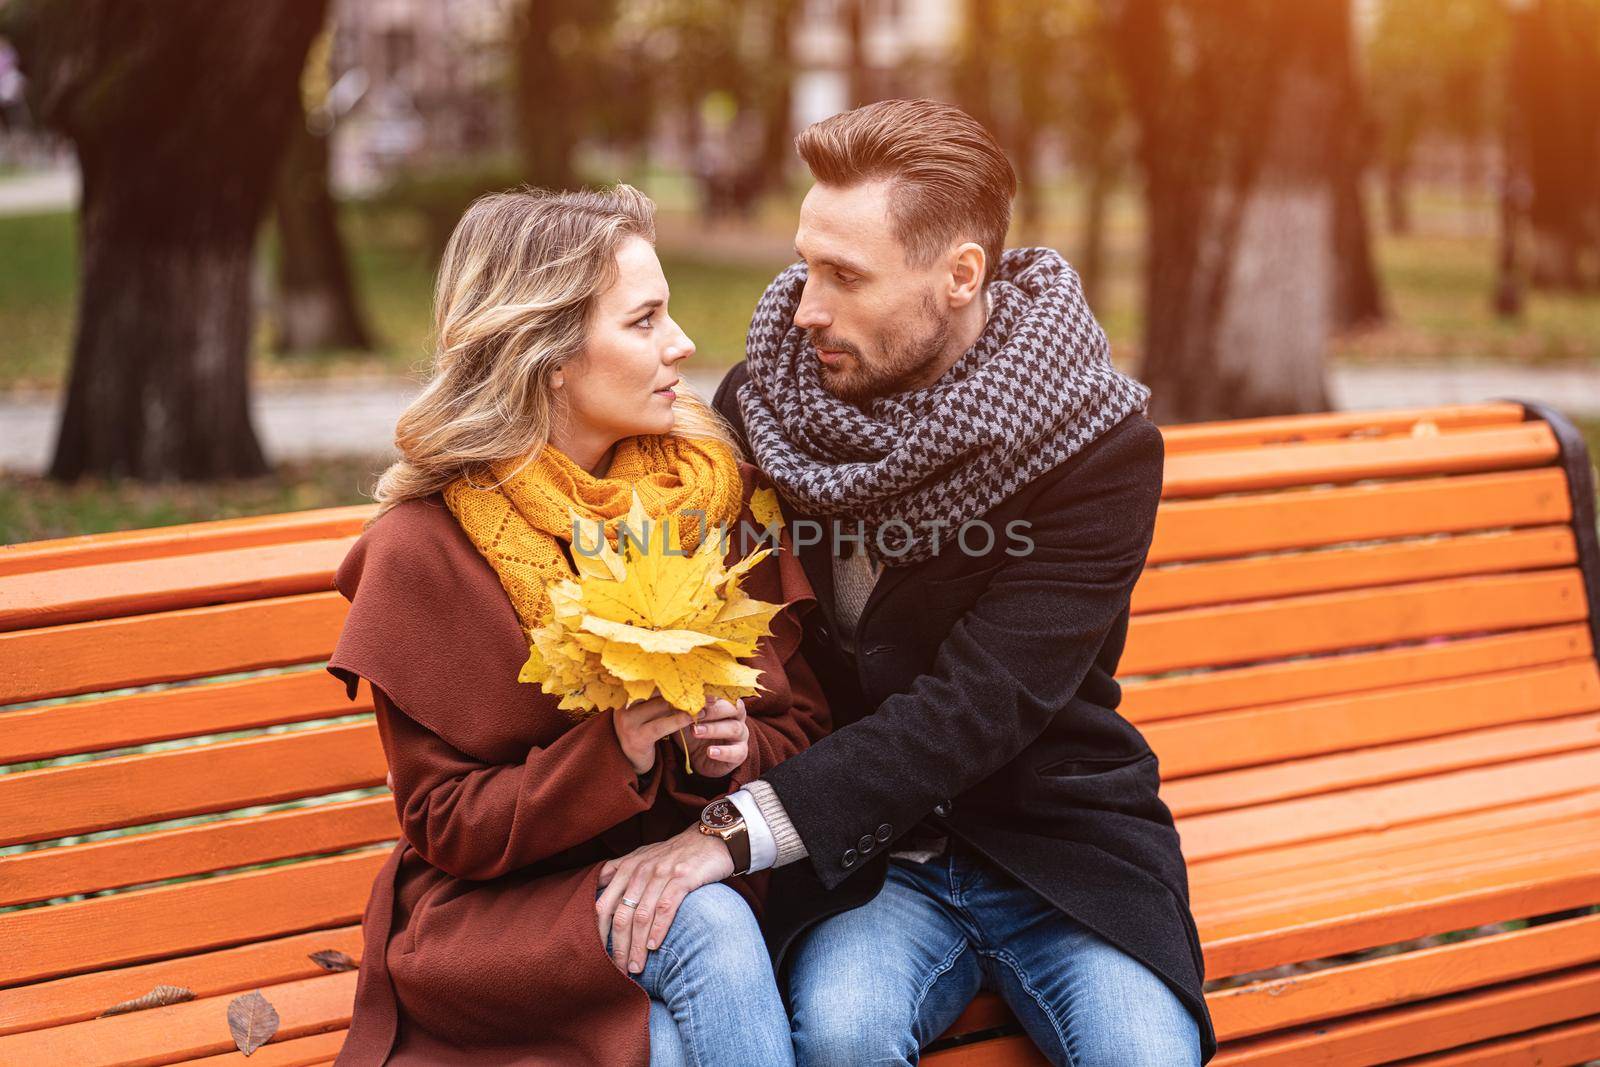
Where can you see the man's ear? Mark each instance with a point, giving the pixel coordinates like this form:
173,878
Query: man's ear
966,274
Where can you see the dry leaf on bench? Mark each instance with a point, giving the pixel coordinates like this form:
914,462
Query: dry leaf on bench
252,1021
159,997
331,959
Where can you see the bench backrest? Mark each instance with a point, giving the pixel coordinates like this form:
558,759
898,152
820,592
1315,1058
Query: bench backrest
179,775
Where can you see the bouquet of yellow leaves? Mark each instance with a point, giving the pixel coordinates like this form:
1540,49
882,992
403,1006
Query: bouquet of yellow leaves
649,620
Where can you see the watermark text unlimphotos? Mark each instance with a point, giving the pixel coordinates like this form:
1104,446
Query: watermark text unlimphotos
975,537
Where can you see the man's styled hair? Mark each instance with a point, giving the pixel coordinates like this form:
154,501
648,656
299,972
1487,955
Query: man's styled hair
950,180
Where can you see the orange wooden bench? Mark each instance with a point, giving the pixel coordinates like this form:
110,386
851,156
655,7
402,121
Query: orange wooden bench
1363,649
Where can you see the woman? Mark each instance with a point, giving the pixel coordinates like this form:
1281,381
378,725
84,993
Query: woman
555,391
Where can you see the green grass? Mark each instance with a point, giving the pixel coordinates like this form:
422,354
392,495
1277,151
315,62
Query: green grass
33,509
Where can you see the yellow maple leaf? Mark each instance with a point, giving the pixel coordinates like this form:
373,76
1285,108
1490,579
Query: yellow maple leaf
644,619
764,506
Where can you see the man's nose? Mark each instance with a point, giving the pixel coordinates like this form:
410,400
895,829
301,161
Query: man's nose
810,314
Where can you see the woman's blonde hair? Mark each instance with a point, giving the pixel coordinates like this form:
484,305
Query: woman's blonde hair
516,285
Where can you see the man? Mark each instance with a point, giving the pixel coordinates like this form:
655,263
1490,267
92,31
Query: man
978,486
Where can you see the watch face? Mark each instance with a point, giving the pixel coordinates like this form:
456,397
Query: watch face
720,814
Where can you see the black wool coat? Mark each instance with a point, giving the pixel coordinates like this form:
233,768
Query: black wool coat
982,698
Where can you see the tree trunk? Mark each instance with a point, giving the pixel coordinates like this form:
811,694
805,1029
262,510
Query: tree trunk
1397,197
1555,49
777,136
197,95
1237,149
315,303
1091,268
548,105
1358,297
973,73
854,13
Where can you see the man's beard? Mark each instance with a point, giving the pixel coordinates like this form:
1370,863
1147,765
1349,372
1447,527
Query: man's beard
905,355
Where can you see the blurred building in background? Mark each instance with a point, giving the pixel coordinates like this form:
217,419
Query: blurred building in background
415,82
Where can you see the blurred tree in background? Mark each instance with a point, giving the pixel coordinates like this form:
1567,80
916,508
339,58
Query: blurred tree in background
1554,141
314,306
1435,69
1240,149
179,111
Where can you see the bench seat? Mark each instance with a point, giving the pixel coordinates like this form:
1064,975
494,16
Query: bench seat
1363,649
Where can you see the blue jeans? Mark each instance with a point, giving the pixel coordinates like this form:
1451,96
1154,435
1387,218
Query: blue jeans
876,984
713,998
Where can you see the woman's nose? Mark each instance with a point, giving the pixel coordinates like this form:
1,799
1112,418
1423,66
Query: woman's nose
680,349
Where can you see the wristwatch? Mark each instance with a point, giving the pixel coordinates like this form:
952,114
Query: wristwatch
721,818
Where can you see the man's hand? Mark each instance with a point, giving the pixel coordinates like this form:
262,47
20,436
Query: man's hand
658,877
720,740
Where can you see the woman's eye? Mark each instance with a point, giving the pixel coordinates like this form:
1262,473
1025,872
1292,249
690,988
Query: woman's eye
645,322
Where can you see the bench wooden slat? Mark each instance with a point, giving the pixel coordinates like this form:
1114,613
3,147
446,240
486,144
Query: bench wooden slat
1323,622
1295,1000
1577,1042
1415,843
1241,470
1240,886
1012,1050
104,723
1309,518
1252,786
152,857
1394,903
1273,430
1226,740
130,790
142,925
1384,1037
186,1031
1148,700
161,541
228,970
110,590
93,657
1367,566
313,1051
1377,807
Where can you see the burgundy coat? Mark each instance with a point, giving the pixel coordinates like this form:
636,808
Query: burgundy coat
480,937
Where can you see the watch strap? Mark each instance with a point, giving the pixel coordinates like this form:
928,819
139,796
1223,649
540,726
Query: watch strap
738,840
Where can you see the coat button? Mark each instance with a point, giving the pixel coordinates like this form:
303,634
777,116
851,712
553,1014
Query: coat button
866,844
849,858
942,808
885,832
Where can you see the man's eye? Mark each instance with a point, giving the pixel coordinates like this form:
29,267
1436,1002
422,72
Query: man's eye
846,279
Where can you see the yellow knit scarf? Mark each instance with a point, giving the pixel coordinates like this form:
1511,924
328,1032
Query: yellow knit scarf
517,523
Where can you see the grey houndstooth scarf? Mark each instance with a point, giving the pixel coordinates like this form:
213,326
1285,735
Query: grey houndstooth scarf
1036,388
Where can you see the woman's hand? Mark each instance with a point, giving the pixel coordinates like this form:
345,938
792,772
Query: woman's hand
656,877
641,724
720,741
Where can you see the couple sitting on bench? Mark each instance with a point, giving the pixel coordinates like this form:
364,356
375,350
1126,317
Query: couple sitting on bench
932,794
